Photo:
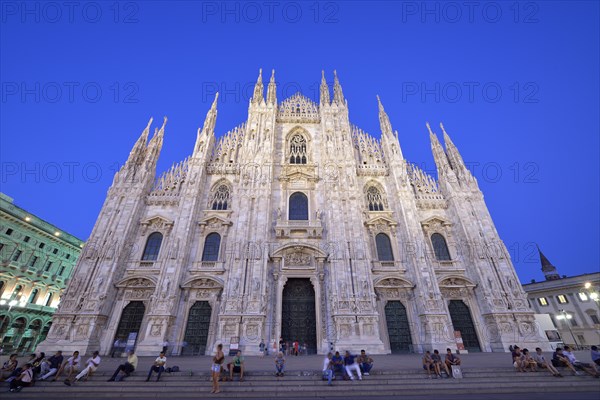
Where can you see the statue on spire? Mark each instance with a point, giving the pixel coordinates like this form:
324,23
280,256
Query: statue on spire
272,90
257,97
324,90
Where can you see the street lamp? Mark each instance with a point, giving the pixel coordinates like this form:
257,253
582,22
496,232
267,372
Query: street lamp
592,292
566,316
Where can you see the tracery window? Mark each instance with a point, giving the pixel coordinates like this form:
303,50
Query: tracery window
298,150
152,247
374,199
440,248
220,198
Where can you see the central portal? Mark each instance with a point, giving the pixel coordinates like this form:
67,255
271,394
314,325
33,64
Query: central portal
298,319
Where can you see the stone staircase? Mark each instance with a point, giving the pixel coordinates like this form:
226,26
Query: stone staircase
382,384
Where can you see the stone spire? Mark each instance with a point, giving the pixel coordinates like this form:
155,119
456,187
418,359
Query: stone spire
456,160
257,97
439,156
324,98
548,269
156,143
338,95
272,90
139,148
384,120
208,130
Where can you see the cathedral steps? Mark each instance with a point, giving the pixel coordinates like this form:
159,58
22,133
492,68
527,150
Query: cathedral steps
309,384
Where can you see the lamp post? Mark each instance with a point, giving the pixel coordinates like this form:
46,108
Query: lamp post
592,293
566,316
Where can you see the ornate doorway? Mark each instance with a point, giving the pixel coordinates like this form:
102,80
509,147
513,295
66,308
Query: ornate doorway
462,321
398,327
196,330
298,318
131,320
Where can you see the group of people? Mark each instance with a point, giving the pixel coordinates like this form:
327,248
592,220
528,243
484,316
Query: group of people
38,367
524,361
293,348
347,366
433,362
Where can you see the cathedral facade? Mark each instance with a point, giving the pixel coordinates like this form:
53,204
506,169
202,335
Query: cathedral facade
296,225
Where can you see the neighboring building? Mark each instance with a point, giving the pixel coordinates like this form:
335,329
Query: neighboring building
36,261
573,304
295,224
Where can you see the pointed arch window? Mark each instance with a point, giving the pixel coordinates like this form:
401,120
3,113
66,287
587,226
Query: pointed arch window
220,198
374,199
212,244
298,207
298,154
152,247
384,247
440,248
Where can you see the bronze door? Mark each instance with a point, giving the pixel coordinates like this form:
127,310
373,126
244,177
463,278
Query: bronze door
462,321
196,331
398,327
298,317
131,320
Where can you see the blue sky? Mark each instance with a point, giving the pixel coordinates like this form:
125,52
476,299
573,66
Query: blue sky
516,85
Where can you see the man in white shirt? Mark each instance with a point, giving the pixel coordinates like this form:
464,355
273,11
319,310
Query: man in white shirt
328,368
71,366
92,364
159,366
587,368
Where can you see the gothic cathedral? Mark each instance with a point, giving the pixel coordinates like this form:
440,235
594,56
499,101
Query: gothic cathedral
297,225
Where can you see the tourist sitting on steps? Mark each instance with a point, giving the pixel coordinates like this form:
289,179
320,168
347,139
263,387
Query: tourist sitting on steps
527,361
352,365
71,366
92,364
338,363
279,364
9,367
24,379
595,354
328,368
559,360
451,360
158,366
365,363
585,367
539,358
428,364
237,366
126,369
438,364
51,366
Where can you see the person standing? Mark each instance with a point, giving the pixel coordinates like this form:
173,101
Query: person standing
215,368
127,368
262,347
158,366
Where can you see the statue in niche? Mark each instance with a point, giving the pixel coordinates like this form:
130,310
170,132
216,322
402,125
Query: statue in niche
166,287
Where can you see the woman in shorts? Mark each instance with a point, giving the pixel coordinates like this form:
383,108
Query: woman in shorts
216,368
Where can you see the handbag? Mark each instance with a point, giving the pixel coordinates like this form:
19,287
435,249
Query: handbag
456,372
